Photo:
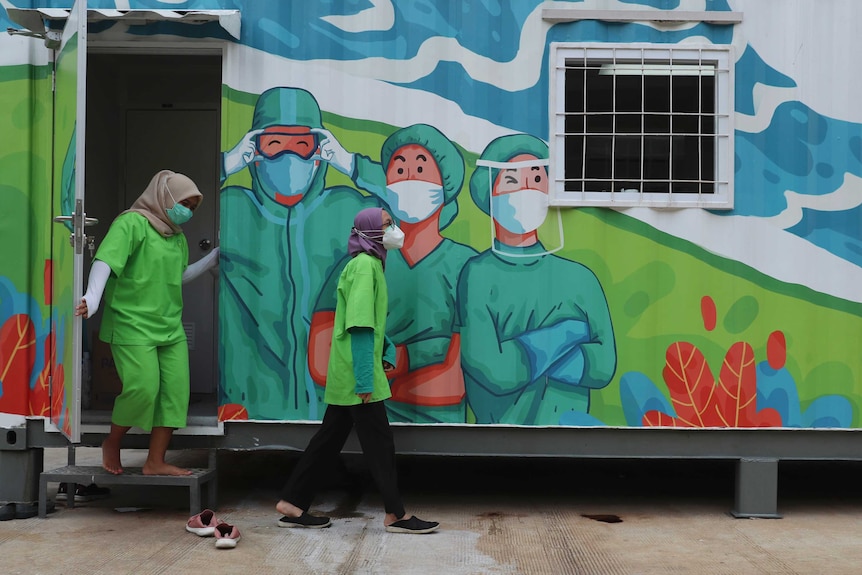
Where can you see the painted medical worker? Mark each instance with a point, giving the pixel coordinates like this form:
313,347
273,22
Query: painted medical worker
280,239
419,176
536,333
140,266
357,384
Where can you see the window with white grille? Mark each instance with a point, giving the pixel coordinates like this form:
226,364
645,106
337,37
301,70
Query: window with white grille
638,125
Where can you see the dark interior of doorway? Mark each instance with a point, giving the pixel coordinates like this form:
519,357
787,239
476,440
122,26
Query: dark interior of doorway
147,112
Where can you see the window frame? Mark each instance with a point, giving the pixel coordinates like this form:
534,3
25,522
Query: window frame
722,55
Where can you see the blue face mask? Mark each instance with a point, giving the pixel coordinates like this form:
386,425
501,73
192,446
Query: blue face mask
179,214
288,175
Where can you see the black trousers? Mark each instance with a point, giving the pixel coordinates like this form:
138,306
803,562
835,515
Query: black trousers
378,449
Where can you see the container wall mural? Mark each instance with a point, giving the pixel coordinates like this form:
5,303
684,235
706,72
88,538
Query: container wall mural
504,309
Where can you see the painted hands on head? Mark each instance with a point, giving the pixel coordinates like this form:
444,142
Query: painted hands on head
243,153
332,152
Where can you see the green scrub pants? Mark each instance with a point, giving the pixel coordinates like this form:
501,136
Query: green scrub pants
155,385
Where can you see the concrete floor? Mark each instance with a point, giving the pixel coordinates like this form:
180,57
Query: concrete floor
497,516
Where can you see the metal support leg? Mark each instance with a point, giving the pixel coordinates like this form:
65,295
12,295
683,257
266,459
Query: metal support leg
195,498
43,497
71,488
756,488
212,486
19,475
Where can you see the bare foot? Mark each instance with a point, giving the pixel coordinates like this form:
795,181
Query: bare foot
288,508
111,457
164,469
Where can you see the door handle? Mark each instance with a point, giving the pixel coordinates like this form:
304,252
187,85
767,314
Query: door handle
205,244
87,221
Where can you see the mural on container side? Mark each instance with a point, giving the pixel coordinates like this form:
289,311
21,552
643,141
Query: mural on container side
503,309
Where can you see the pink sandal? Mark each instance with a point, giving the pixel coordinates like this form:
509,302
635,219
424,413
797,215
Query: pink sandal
203,524
227,536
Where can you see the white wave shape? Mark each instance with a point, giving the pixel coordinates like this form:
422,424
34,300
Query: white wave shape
520,73
846,197
357,97
815,43
380,17
766,100
761,245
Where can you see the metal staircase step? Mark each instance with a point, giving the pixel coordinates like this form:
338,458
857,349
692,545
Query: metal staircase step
72,474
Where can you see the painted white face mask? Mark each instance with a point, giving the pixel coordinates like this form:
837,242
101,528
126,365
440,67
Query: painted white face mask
414,200
393,238
521,211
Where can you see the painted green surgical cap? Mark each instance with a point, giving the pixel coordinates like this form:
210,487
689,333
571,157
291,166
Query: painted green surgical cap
448,158
286,107
502,149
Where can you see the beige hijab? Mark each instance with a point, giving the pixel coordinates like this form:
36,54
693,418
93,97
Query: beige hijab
164,189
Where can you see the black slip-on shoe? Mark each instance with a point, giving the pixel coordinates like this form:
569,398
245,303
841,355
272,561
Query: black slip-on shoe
413,525
305,520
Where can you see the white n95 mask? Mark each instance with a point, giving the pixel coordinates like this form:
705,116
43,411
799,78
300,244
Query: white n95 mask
393,238
414,200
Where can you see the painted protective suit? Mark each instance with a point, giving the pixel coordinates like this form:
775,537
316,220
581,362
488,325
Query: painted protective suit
536,332
279,242
421,294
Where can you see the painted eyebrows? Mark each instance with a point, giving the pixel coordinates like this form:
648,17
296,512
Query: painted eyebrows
401,158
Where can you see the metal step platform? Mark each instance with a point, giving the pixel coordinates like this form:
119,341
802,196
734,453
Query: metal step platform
201,480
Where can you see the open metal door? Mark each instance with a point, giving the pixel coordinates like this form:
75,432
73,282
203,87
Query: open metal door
67,207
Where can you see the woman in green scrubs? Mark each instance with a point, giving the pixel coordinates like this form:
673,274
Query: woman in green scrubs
356,385
140,266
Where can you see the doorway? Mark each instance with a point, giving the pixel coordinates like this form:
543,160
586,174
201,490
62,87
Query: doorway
146,113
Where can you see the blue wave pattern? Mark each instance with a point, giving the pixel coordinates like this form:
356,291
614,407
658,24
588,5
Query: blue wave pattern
800,150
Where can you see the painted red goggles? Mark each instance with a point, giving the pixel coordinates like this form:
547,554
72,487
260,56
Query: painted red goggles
276,141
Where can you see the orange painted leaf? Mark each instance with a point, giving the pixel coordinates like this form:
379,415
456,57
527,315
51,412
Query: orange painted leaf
708,312
41,393
735,399
232,411
776,350
40,396
691,384
659,419
17,357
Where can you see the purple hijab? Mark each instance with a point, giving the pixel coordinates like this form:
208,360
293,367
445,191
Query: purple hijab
370,222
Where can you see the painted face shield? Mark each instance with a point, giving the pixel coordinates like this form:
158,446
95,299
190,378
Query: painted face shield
521,210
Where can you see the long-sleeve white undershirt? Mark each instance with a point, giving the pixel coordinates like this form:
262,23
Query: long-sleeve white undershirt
100,272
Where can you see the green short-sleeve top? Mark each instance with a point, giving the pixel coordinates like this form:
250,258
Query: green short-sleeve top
144,294
362,301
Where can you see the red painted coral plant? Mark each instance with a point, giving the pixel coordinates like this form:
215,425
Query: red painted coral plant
28,356
700,401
